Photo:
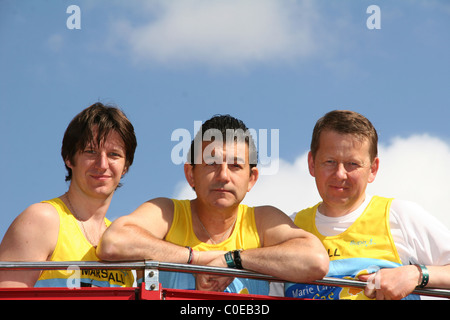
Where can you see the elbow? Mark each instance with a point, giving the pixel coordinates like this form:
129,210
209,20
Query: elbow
316,269
320,270
105,251
318,263
321,262
109,248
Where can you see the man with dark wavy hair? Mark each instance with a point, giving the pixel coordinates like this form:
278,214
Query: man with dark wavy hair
97,149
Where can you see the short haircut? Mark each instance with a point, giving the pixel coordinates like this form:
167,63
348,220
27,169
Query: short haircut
225,124
346,122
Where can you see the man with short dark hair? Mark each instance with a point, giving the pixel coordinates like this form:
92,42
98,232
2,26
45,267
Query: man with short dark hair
215,229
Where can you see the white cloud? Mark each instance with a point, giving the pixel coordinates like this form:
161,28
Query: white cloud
222,33
414,168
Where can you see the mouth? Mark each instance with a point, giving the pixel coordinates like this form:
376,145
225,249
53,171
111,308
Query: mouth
339,188
100,177
222,190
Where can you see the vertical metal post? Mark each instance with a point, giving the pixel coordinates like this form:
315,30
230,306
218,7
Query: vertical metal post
151,279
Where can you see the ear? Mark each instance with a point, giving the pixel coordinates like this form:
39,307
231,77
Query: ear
68,163
374,170
254,175
189,174
311,165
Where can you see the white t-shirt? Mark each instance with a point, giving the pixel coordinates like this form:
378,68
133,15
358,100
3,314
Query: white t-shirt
418,236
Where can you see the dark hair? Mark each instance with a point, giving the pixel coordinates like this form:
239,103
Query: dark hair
346,122
79,133
226,125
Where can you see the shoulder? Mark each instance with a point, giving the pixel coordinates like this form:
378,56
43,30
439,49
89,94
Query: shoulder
310,211
155,215
411,214
33,234
36,215
274,226
426,238
266,216
400,204
268,211
156,207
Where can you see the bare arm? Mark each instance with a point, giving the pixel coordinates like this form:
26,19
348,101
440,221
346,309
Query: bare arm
295,260
31,237
140,235
397,283
288,252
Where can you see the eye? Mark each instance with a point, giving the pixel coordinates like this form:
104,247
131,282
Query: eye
350,166
209,161
89,151
116,155
236,166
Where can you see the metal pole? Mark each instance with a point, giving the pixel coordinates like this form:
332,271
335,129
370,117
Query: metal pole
175,267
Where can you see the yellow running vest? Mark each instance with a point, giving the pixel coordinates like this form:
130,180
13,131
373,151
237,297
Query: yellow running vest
244,236
73,246
365,247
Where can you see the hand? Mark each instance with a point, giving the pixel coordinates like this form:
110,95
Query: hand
209,282
391,283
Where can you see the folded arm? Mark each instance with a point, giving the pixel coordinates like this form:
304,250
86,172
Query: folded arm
140,236
287,252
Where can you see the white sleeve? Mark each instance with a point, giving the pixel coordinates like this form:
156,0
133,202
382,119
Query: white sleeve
419,236
293,215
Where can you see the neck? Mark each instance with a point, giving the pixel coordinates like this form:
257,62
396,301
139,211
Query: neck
86,207
90,215
336,210
213,224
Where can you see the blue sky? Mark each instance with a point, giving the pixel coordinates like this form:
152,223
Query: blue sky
274,64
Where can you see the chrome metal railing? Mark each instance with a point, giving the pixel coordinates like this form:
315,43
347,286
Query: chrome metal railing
151,270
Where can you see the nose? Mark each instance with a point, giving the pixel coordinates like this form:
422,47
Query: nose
341,172
101,161
223,174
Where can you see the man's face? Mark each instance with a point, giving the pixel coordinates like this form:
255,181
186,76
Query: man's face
342,168
97,170
223,177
